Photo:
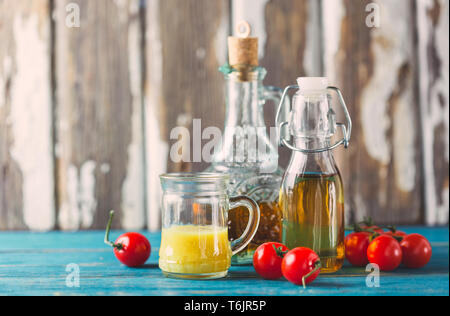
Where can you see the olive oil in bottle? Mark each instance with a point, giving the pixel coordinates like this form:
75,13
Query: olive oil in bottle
314,217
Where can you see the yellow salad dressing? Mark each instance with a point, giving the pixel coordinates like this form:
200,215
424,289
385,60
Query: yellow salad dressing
195,249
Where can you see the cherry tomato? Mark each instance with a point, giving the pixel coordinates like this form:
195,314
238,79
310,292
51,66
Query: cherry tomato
132,249
416,251
356,245
267,260
301,266
386,252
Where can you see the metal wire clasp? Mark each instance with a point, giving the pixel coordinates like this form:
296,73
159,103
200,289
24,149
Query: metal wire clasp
346,129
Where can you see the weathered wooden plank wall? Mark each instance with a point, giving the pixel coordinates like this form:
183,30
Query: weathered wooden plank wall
98,109
117,85
376,69
433,39
26,150
186,44
290,43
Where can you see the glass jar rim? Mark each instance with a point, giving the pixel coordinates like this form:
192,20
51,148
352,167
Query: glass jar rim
198,183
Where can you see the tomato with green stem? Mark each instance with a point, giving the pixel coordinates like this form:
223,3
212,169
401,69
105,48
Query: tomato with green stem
385,251
268,258
132,249
301,266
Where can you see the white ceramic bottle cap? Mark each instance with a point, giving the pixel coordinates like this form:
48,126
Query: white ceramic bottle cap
312,83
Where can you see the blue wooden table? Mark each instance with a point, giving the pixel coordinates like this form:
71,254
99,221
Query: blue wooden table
46,264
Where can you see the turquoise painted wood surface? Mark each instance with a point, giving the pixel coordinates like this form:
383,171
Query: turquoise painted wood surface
35,264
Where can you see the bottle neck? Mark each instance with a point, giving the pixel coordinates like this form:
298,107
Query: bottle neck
246,145
312,117
312,125
317,163
243,102
310,143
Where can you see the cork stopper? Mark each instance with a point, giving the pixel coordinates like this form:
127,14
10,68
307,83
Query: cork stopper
243,49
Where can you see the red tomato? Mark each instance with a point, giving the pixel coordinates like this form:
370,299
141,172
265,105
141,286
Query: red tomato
356,245
132,249
301,266
267,260
416,251
386,252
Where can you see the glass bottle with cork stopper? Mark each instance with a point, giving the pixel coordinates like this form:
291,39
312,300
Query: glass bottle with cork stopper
312,193
247,152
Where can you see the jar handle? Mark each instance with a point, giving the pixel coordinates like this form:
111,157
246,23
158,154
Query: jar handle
253,222
282,107
279,123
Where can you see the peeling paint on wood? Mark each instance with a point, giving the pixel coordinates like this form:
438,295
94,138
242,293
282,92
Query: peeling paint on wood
111,138
313,63
391,48
133,201
404,136
333,12
79,208
433,25
156,146
31,117
182,77
99,106
292,48
26,163
376,70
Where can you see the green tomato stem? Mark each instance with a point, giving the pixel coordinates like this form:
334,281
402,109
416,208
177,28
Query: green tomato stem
368,221
108,229
279,251
317,266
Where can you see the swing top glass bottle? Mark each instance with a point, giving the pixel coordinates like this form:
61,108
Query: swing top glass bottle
312,194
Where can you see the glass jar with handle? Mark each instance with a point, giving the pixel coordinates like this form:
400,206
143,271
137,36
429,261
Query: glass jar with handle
194,238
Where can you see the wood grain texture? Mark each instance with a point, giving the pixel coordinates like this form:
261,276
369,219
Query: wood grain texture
129,75
293,44
375,67
34,264
292,48
186,44
26,160
99,127
433,17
